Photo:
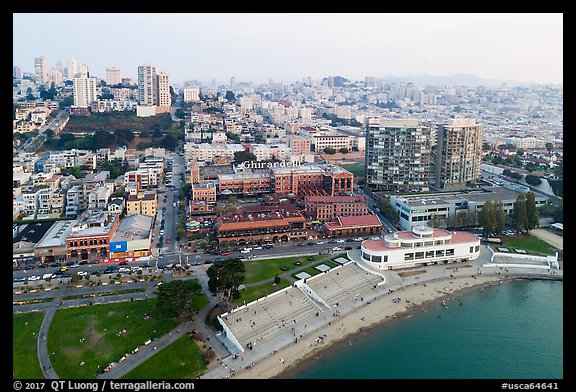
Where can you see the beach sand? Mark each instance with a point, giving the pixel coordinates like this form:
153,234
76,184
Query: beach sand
415,297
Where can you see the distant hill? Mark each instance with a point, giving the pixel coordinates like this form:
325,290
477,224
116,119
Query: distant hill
453,80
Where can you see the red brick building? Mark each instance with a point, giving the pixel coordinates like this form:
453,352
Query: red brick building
243,184
329,207
90,238
353,226
312,179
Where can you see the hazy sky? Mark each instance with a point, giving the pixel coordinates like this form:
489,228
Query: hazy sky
290,46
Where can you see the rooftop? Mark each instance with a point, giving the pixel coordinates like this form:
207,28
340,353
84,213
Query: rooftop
57,234
33,232
335,199
345,221
133,227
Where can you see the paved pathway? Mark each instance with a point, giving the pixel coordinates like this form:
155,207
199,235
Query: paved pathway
146,352
42,346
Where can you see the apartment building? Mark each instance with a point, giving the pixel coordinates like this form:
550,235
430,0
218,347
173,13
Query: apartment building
458,153
144,203
397,155
204,191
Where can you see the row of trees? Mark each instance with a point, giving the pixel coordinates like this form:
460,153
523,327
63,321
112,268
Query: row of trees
525,213
331,151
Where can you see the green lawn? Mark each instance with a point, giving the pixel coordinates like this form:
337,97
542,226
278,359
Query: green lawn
355,168
529,243
180,360
99,324
252,293
257,270
24,348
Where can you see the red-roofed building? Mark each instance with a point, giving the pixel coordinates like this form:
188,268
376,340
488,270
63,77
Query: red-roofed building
421,246
263,223
362,225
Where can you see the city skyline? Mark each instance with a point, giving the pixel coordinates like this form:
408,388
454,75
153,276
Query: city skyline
527,48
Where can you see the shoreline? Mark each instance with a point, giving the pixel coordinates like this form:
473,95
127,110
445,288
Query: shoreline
381,312
291,370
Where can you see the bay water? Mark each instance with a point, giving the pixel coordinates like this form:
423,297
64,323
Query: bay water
511,330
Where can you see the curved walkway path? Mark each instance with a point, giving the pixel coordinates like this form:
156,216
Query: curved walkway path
147,352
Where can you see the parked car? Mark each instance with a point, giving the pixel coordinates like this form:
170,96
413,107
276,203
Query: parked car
81,273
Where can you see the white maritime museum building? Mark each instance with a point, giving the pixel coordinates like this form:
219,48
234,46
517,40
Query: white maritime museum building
422,245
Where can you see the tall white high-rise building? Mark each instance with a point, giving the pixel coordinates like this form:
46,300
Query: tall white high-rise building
72,68
84,91
232,83
83,70
164,98
40,71
147,85
191,94
60,67
16,72
113,76
55,76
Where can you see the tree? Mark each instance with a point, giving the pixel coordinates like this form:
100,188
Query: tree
102,139
244,156
516,176
487,218
230,96
461,218
329,150
66,102
123,136
549,147
519,213
500,217
169,142
225,277
386,208
179,298
533,180
232,136
344,150
532,218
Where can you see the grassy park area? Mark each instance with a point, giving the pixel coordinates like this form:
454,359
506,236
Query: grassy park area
180,360
95,335
257,270
24,344
252,293
529,243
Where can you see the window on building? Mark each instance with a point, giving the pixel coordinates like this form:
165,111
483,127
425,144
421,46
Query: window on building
376,259
477,248
409,256
439,253
450,252
365,256
429,254
419,255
